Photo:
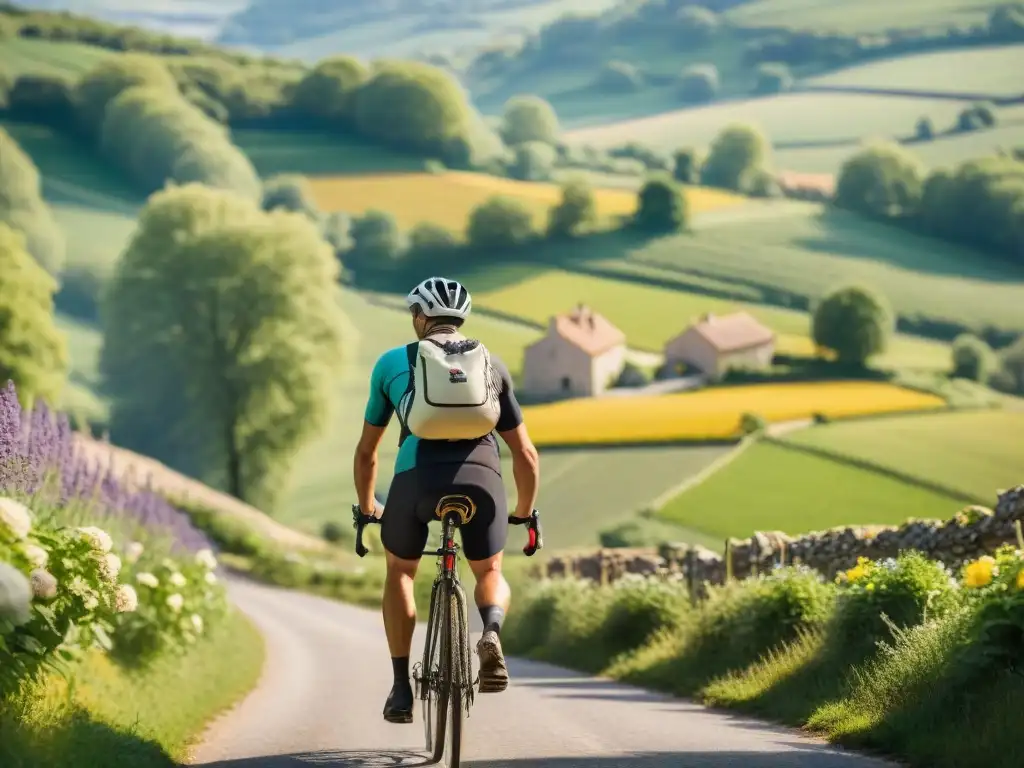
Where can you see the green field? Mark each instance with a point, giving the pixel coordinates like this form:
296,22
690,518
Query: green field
861,16
811,132
650,316
975,453
774,488
992,71
316,153
808,252
19,56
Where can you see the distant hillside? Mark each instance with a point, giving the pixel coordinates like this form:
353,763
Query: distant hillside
312,29
200,19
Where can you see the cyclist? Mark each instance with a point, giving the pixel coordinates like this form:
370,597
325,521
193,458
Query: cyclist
425,471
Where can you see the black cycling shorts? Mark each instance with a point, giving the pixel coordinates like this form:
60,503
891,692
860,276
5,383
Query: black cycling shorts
413,500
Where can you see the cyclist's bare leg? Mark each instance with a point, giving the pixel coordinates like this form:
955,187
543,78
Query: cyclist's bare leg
399,608
492,595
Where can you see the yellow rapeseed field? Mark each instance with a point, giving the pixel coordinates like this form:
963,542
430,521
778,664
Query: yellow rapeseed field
711,413
448,198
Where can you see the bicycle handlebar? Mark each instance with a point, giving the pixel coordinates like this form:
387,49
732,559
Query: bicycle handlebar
535,540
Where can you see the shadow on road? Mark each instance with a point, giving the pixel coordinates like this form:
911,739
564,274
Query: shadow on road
798,755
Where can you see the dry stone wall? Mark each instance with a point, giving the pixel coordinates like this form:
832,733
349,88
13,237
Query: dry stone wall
972,532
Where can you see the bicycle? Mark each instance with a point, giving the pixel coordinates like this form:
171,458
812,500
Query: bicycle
443,678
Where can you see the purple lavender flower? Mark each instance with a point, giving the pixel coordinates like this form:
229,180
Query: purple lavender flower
38,456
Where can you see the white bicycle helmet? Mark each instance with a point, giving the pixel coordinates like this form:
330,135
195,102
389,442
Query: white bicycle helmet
441,297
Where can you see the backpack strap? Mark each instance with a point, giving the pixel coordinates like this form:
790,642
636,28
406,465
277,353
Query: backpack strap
412,354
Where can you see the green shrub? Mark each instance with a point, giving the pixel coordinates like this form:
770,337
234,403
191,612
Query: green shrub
290,192
576,212
534,161
736,156
686,165
753,424
995,587
529,118
529,622
900,592
500,222
925,130
972,358
883,180
179,599
106,81
639,608
661,206
577,626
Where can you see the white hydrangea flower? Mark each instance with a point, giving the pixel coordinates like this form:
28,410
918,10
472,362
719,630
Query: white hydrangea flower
206,558
175,602
44,584
211,577
110,567
133,552
147,580
197,623
15,596
36,555
98,539
177,579
126,600
15,518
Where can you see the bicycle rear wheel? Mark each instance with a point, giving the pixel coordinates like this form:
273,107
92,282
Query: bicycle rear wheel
435,694
458,666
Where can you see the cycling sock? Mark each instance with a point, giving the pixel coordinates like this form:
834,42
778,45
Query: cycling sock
492,616
400,665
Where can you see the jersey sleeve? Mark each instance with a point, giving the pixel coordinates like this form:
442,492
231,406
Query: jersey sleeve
379,408
511,414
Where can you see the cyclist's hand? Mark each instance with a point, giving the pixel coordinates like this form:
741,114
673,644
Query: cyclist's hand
373,509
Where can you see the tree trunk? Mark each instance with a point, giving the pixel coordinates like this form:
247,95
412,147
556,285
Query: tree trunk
234,459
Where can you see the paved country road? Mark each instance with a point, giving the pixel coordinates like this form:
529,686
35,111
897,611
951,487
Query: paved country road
328,672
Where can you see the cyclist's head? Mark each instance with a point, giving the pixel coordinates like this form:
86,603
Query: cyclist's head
438,301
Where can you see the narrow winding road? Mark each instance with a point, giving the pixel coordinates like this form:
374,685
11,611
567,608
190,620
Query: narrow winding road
327,674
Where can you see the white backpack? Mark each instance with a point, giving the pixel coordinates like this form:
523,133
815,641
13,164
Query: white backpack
453,390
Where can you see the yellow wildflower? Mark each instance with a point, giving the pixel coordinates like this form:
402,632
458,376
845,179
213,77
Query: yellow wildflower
870,587
1020,579
980,572
859,571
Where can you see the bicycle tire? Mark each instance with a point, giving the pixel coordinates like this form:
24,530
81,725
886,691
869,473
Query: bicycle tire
458,652
435,703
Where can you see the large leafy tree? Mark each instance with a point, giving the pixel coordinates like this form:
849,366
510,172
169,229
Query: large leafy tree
222,337
33,352
854,322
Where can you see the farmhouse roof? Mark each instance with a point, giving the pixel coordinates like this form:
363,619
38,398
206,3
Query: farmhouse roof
730,333
591,332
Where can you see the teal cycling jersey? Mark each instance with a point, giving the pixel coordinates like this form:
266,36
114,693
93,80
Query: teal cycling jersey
388,384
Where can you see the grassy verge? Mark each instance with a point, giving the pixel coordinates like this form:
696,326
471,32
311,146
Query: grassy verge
107,717
898,657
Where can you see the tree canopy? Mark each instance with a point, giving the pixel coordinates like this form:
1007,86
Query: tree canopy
413,106
854,322
661,206
736,157
881,180
33,351
529,118
105,82
223,320
157,136
23,209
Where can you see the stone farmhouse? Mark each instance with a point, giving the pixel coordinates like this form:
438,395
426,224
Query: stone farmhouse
717,343
580,355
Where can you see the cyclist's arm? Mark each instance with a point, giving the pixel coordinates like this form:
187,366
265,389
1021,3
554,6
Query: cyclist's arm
525,459
375,422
